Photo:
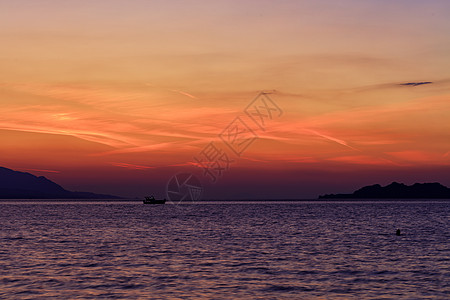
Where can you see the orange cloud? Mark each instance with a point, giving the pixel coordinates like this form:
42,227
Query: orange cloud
131,166
414,156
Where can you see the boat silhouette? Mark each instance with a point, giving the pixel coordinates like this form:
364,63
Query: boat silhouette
152,200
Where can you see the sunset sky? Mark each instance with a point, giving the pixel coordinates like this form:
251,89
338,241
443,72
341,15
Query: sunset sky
118,96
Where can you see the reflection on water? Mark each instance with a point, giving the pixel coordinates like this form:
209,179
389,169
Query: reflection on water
223,251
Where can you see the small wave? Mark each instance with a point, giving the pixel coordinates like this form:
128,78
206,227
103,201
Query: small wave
308,272
9,280
131,286
90,265
347,272
286,288
13,238
385,272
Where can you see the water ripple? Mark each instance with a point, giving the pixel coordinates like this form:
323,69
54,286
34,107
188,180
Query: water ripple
258,251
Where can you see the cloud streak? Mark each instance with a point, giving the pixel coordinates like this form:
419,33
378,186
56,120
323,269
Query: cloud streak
134,125
40,170
333,139
131,166
416,83
185,94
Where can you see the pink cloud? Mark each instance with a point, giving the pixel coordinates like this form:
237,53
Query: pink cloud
415,156
131,166
40,170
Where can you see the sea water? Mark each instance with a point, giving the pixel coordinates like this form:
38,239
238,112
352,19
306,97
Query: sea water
302,250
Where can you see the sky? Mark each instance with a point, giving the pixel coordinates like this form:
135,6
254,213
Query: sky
257,99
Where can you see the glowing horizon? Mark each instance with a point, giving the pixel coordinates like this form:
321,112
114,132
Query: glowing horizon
115,92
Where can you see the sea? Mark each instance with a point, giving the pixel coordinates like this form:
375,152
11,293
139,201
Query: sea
225,250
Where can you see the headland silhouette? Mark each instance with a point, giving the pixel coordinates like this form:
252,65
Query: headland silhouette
22,185
396,190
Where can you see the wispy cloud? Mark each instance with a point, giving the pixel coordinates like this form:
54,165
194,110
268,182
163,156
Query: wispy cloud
137,123
131,166
362,159
415,156
381,133
416,83
40,170
146,148
330,138
185,94
126,119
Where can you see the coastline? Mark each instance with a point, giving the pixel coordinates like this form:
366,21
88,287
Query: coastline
234,201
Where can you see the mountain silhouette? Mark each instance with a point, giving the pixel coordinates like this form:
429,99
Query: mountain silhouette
21,185
396,190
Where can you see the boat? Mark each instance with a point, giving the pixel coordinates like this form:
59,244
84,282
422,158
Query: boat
152,200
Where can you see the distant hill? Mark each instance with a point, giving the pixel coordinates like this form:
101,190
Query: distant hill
396,190
21,185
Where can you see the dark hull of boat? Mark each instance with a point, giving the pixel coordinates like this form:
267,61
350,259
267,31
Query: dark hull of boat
154,201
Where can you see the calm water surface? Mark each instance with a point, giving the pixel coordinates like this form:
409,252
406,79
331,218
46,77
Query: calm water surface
225,251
